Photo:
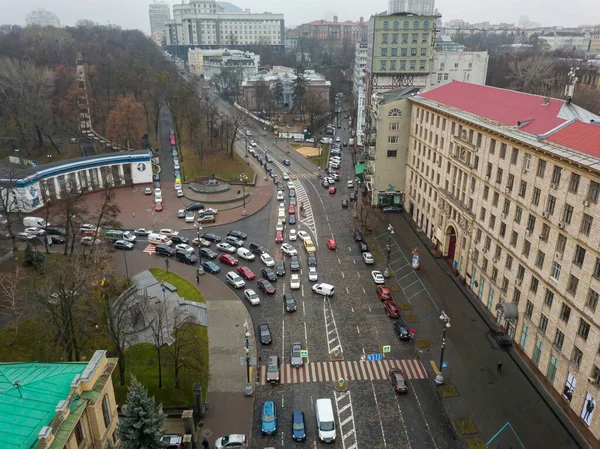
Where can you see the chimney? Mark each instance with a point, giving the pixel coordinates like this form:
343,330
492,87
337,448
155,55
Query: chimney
335,18
546,101
362,20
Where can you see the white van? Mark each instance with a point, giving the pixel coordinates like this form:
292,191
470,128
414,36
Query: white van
37,222
351,142
324,289
325,420
281,215
158,239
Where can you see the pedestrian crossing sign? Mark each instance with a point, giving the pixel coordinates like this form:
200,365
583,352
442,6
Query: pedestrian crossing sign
386,349
304,353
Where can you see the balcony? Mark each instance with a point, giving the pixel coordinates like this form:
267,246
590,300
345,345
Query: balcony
467,165
457,202
463,140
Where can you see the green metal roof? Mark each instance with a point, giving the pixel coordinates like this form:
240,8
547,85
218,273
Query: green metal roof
25,410
359,169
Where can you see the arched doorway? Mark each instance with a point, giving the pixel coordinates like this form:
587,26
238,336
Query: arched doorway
450,243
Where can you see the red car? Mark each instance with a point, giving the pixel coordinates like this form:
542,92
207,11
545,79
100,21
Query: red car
228,259
331,244
266,286
292,209
246,272
392,309
158,206
172,140
332,189
278,237
384,293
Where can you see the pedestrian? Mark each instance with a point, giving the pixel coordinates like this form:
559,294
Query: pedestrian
411,332
499,367
197,279
205,444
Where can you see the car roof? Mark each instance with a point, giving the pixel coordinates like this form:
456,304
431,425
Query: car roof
269,407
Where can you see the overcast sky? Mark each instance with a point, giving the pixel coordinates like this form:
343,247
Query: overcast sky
134,13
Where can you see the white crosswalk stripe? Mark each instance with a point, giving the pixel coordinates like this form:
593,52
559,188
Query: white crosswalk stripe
150,249
351,370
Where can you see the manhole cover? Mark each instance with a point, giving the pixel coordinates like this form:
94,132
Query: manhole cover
206,433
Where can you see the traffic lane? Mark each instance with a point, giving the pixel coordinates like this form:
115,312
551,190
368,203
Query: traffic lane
166,159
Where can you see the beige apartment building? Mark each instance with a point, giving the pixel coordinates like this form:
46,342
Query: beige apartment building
507,186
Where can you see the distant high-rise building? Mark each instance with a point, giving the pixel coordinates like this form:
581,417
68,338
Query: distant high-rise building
159,13
420,7
43,18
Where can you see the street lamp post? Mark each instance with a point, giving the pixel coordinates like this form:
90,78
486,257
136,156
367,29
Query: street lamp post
198,229
287,135
243,179
390,230
439,379
249,390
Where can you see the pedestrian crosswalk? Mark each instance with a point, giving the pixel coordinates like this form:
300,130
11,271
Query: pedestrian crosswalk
348,369
150,249
303,175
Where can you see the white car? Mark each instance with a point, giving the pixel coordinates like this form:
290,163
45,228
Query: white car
226,247
88,241
245,253
252,297
235,440
157,191
285,176
291,185
179,193
293,235
295,281
279,226
35,231
282,206
185,248
313,276
377,277
267,260
280,196
289,249
181,213
252,143
234,279
190,217
337,139
368,258
147,191
304,235
158,197
168,232
350,184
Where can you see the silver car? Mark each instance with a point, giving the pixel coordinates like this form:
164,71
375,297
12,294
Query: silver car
297,361
368,258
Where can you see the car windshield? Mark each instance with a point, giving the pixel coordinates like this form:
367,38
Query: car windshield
264,331
272,369
298,426
268,418
327,426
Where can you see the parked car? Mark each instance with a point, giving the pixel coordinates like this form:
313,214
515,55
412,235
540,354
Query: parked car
200,242
368,258
236,441
392,209
268,421
295,281
179,239
234,241
269,274
267,260
289,302
331,244
392,309
142,231
246,272
298,426
181,213
190,217
265,334
211,267
123,244
362,247
280,268
208,253
234,279
195,206
313,276
172,441
185,257
228,259
251,296
164,250
377,277
245,253
384,293
294,263
266,286
402,331
357,235
226,247
237,234
211,237
158,207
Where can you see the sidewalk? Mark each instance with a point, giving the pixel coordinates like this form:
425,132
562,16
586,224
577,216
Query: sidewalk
229,411
490,399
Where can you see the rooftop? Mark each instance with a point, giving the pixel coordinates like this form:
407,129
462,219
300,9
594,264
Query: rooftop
347,23
548,119
25,410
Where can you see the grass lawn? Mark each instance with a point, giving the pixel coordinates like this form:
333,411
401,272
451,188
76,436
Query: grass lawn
218,163
185,289
141,362
323,158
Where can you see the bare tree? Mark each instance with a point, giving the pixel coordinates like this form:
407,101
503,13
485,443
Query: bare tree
183,330
12,297
157,319
536,75
11,200
233,124
316,103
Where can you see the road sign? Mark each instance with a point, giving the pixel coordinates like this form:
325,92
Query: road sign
386,349
304,353
363,358
444,364
246,344
341,381
372,357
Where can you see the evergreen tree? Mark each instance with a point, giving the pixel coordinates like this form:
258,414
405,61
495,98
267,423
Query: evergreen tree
141,423
278,93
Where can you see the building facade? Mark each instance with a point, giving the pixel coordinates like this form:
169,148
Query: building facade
251,87
210,63
24,189
445,43
205,23
74,404
469,66
510,195
42,18
291,40
334,31
595,43
159,13
360,63
564,40
420,7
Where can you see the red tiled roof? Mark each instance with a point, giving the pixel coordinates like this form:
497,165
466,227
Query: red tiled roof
325,22
580,136
508,107
500,105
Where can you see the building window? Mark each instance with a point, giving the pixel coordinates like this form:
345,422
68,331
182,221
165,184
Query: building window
579,256
551,204
592,299
516,296
574,183
403,52
416,24
531,223
403,65
394,51
405,38
543,321
536,196
413,64
577,356
396,25
383,65
79,433
529,309
445,77
555,274
421,65
392,65
556,173
392,153
552,368
426,24
541,168
423,52
572,285
565,312
549,297
514,156
567,213
384,52
561,243
586,224
413,52
386,25
518,214
415,38
534,284
394,126
539,260
522,189
106,411
559,339
596,273
384,38
502,151
593,192
537,352
584,329
523,340
392,139
405,25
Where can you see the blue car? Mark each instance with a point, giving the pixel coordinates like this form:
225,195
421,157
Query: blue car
211,267
298,427
292,219
269,418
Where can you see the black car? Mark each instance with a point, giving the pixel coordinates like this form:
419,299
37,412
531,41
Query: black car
177,239
279,187
257,248
286,162
195,206
269,274
292,193
182,256
280,268
344,202
290,302
237,234
402,331
398,381
208,253
56,239
267,158
156,185
362,247
265,334
234,241
156,177
294,263
353,196
392,209
292,219
312,260
211,237
164,250
358,237
55,231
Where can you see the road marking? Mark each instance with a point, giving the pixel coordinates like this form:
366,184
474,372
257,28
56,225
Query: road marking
303,310
364,290
306,341
345,414
358,273
369,308
353,260
331,327
347,291
283,339
434,366
352,309
378,414
339,261
343,277
357,329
